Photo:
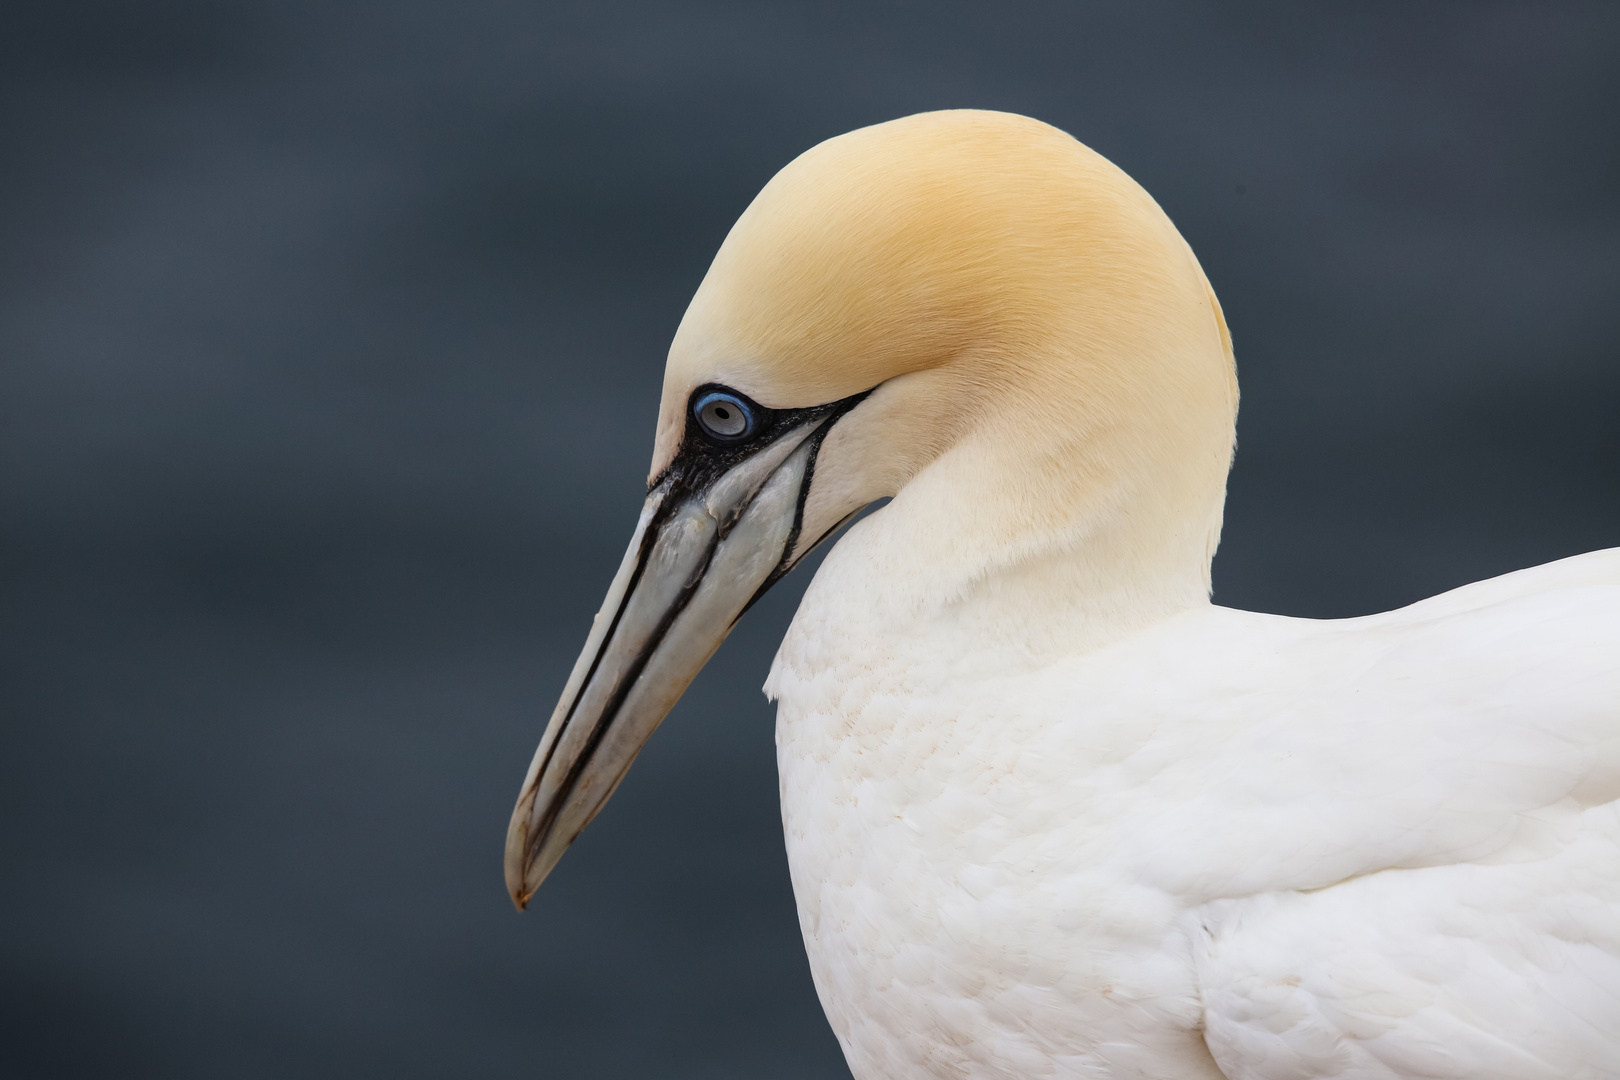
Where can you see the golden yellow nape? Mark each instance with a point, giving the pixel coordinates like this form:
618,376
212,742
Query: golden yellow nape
1048,811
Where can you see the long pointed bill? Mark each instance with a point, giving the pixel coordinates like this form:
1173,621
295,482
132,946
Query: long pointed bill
717,530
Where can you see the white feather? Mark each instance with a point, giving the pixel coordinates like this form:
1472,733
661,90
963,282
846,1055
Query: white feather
1230,844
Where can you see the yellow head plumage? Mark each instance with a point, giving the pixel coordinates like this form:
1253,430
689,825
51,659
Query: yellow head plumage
1023,302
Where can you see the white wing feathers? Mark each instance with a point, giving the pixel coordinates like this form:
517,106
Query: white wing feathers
1508,971
1444,901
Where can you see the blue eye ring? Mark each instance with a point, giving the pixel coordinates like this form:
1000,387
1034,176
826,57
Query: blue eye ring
725,417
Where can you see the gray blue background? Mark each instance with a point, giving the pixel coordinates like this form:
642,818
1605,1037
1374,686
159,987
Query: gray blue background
330,339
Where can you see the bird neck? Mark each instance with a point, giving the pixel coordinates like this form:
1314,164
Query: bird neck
1008,552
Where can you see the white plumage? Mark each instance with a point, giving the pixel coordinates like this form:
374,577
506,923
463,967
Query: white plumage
1375,847
1049,812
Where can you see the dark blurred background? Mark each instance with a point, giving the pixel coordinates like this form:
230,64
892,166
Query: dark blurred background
330,342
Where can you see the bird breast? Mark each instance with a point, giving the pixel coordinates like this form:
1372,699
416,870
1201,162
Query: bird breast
955,843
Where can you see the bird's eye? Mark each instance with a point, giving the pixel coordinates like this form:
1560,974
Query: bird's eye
724,417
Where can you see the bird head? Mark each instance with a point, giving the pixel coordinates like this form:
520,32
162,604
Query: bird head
967,312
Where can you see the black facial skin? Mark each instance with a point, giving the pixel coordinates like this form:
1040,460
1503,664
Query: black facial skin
702,460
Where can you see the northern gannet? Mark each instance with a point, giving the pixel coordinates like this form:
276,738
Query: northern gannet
1048,811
